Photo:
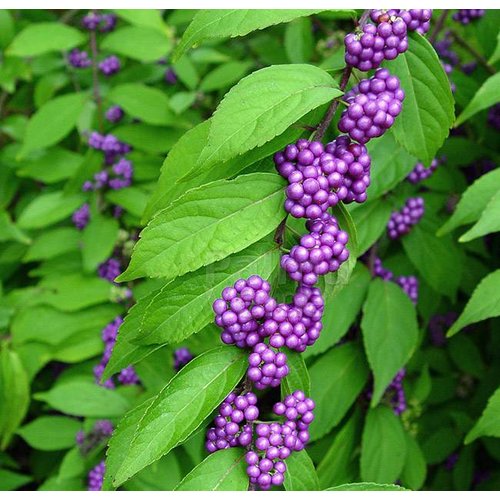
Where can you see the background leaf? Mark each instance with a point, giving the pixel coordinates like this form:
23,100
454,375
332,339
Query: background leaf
300,474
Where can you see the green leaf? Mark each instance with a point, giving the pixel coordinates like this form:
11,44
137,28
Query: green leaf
489,422
348,300
163,475
147,138
132,199
184,306
299,41
48,208
50,433
10,481
371,220
334,466
489,222
389,339
52,122
383,448
300,474
9,231
98,240
415,468
337,378
138,42
262,106
427,112
438,260
223,23
486,96
147,18
145,103
483,304
367,487
151,430
225,75
7,29
53,243
40,38
298,376
206,225
224,470
473,201
86,399
14,394
496,54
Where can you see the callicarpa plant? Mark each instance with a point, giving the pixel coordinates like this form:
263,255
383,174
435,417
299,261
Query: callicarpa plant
249,250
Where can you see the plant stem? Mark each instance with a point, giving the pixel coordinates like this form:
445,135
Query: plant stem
346,74
95,78
280,232
439,26
479,58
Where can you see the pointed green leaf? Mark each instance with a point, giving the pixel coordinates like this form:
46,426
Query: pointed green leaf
224,470
486,96
383,448
51,433
98,240
427,112
223,23
389,339
300,474
489,422
154,428
489,222
483,304
206,225
337,378
262,106
367,487
415,468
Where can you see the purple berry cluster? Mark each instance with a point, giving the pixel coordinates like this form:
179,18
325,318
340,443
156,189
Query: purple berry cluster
110,65
114,114
415,19
420,172
266,366
233,424
182,357
81,216
79,59
127,376
396,393
373,105
403,220
465,16
438,325
109,269
102,22
321,251
367,47
96,477
242,309
170,76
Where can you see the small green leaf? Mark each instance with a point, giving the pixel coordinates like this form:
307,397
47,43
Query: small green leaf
138,42
415,468
184,306
337,378
427,112
300,474
299,41
11,481
145,103
367,487
486,96
298,375
86,399
147,18
439,260
489,422
152,429
483,304
132,199
489,222
40,38
262,106
53,243
231,23
98,240
52,122
224,470
224,76
389,339
473,201
383,448
14,394
496,54
50,433
206,225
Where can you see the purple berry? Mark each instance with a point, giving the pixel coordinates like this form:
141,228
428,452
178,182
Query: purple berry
420,173
81,216
438,325
465,16
403,220
182,357
110,65
109,269
266,366
96,477
114,114
79,59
